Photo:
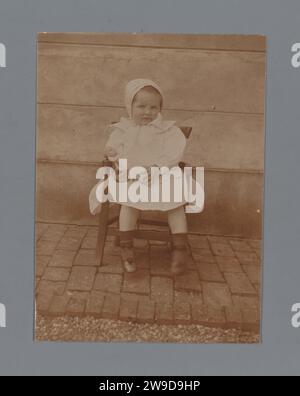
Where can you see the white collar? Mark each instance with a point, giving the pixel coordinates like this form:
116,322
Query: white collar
158,123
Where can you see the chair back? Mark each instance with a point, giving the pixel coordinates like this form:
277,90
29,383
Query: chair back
186,131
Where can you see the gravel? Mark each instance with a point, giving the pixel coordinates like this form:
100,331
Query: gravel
93,329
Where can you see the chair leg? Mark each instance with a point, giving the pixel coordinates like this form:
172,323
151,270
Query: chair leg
102,230
189,249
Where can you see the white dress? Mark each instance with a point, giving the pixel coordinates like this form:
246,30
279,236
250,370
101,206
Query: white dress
159,143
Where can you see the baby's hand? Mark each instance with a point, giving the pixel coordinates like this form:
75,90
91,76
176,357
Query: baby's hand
149,173
111,152
149,169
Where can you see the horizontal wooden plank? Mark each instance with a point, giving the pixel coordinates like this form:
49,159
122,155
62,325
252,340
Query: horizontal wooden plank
233,206
62,193
226,141
193,41
234,201
191,80
218,140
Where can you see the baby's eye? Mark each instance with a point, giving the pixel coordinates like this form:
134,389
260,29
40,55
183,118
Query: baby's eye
154,107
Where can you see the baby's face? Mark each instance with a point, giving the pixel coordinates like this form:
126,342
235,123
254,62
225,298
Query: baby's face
145,107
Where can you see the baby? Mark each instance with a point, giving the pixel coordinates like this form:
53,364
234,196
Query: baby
145,139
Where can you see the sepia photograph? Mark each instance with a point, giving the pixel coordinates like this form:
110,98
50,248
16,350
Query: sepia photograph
149,191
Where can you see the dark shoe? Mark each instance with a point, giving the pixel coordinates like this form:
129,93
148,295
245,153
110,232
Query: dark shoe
127,253
179,254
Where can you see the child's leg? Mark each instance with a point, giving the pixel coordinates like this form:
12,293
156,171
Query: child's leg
178,226
177,220
127,225
128,218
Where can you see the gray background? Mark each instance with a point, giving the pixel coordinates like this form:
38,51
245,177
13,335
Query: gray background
279,352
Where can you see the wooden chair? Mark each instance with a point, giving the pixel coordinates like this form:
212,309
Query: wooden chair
105,220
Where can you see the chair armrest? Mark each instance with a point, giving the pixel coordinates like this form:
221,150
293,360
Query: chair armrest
106,162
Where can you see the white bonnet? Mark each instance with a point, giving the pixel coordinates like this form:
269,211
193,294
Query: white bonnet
133,87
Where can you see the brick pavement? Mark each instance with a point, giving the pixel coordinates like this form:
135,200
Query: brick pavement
221,287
